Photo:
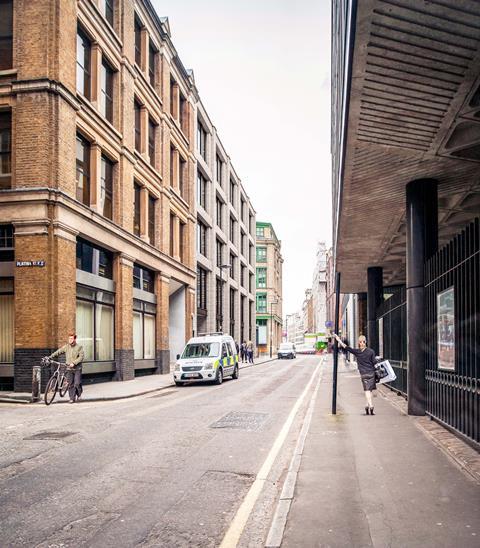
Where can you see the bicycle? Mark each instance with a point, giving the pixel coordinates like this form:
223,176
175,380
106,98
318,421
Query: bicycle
57,382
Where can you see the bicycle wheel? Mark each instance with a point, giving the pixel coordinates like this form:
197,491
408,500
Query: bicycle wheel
63,386
51,390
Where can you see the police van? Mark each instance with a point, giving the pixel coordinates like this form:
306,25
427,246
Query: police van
207,358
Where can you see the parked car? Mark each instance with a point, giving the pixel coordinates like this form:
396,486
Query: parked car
286,350
207,358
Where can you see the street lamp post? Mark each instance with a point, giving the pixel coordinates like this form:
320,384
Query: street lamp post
271,325
222,267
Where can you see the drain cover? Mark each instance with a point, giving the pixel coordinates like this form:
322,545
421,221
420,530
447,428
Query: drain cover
50,435
241,421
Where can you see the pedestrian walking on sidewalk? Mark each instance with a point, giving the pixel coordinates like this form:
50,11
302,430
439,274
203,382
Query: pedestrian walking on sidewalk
243,352
366,363
74,357
250,351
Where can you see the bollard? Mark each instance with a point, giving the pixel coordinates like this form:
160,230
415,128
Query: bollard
36,382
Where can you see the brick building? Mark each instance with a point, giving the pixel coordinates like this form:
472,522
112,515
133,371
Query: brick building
269,284
97,202
225,240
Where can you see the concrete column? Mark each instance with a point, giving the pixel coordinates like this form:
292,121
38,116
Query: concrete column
124,359
144,213
95,176
95,81
162,286
422,243
144,131
374,298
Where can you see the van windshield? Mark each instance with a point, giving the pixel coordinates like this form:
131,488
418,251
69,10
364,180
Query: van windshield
201,350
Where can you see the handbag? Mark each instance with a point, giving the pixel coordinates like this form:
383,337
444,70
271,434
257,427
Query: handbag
380,372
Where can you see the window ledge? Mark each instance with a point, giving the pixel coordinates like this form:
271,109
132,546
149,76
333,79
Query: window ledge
8,72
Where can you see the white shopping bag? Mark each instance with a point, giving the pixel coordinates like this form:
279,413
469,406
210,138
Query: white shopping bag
389,369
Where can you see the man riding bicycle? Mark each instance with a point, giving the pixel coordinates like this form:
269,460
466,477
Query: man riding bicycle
73,358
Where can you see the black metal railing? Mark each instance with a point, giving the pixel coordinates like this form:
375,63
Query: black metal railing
452,333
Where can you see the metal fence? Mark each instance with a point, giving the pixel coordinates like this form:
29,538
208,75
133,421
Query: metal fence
452,333
392,331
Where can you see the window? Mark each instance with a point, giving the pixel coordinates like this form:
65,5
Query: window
219,208
262,303
261,331
242,318
7,322
107,8
173,167
219,168
201,190
152,63
232,230
219,304
219,253
83,170
106,188
94,323
5,149
143,278
261,278
106,91
138,125
94,259
173,97
183,114
7,249
143,330
172,235
242,209
201,238
250,223
243,242
201,140
260,232
83,63
232,265
6,34
250,283
151,218
261,254
232,192
138,41
250,253
137,194
232,312
201,288
243,271
152,128
182,176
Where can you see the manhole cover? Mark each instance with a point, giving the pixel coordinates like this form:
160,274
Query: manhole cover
241,421
50,435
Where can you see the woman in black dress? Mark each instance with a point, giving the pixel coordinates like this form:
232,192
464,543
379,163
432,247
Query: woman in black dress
366,366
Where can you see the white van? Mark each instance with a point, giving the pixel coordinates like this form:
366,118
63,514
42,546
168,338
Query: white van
286,350
207,358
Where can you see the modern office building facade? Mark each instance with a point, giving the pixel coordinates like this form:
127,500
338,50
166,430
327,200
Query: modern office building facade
97,202
225,240
406,193
269,285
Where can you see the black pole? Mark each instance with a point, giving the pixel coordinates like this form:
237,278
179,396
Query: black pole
335,347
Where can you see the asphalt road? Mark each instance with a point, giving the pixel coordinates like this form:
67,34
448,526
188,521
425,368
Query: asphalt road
169,469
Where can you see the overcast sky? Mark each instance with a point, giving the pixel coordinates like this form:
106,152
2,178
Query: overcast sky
262,68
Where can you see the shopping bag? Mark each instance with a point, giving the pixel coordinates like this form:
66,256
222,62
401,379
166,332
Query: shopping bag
384,372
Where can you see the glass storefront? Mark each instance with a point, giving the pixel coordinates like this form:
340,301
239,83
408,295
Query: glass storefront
143,330
7,320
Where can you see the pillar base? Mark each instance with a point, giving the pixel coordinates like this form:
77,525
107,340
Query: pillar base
124,365
162,362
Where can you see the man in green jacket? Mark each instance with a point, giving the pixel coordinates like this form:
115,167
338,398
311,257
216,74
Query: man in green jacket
73,358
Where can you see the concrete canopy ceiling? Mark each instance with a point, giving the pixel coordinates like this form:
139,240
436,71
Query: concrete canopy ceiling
414,112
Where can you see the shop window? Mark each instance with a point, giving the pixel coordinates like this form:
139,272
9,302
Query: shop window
95,323
7,247
94,259
7,320
5,149
143,279
83,170
84,54
143,330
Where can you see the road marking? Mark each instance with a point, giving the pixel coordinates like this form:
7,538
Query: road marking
277,528
232,536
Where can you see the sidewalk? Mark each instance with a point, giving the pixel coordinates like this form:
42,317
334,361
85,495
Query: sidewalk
377,480
107,391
